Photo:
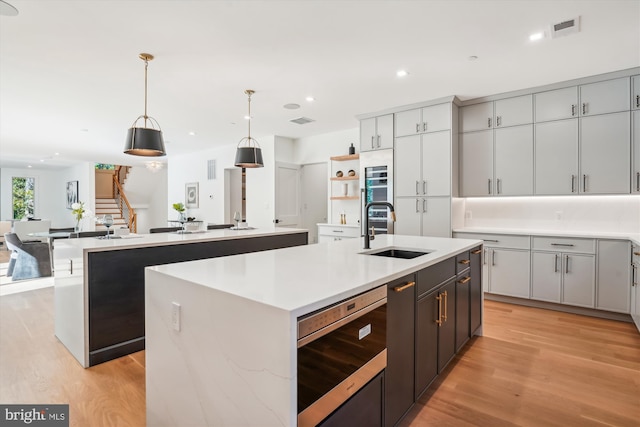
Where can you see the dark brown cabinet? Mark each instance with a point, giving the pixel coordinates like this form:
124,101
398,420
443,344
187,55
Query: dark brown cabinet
399,374
463,279
475,290
363,409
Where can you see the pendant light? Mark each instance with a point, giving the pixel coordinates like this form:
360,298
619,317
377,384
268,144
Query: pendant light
248,153
145,141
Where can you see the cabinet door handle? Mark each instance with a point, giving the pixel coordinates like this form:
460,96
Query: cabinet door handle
424,205
498,186
584,183
465,261
372,141
493,257
379,141
338,231
489,185
424,126
417,208
637,181
584,108
489,240
486,254
417,190
498,121
417,127
465,280
446,297
424,187
477,252
70,266
637,100
573,183
555,264
566,245
573,110
439,321
566,265
634,275
489,122
403,287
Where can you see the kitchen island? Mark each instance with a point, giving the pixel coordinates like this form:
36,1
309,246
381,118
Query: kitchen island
99,283
221,333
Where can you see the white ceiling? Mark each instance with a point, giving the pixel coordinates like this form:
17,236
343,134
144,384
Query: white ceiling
71,81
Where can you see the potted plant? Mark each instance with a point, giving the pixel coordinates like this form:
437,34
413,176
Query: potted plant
179,207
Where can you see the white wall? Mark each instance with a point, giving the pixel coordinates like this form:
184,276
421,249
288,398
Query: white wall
578,213
50,192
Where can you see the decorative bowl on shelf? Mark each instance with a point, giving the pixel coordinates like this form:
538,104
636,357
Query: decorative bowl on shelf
339,174
352,173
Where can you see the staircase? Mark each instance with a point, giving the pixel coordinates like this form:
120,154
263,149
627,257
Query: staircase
109,206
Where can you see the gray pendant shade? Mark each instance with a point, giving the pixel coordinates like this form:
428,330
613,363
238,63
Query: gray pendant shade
248,153
249,157
144,142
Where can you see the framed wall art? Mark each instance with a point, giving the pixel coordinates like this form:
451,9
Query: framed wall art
72,193
191,195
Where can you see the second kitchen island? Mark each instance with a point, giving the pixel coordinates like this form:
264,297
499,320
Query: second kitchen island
222,334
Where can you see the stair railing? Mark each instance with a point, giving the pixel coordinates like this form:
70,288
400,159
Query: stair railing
127,212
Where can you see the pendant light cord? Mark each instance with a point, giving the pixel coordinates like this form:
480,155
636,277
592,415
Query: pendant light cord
146,65
249,94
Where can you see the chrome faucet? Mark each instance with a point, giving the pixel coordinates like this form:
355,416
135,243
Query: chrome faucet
367,236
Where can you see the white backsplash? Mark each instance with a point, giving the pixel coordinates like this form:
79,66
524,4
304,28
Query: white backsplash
579,213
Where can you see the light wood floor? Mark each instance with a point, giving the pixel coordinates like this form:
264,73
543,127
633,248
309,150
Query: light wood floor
532,368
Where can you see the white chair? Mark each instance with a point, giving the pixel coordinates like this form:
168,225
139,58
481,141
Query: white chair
23,228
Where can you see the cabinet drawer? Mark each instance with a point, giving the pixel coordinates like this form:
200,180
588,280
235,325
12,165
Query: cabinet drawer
463,262
338,231
564,244
431,277
498,240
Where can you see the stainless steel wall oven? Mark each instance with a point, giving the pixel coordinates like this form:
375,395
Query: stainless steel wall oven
340,349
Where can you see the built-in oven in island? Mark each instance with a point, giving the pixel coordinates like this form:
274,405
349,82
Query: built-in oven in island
341,349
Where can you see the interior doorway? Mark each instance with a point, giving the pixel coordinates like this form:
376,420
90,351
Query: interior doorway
234,195
313,199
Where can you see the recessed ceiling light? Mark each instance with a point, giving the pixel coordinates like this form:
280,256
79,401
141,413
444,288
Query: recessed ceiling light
473,58
41,160
247,117
310,98
29,166
57,154
402,73
291,106
536,36
84,130
192,133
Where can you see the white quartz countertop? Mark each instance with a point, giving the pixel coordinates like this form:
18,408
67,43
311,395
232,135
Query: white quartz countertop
589,234
302,279
93,244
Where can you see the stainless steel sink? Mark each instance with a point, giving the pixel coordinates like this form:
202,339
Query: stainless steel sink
399,253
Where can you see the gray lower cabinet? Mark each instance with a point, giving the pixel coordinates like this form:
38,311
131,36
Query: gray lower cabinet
635,148
400,349
614,276
508,272
566,278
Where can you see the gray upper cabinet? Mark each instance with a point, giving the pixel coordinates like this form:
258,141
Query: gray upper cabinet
514,161
476,117
635,92
608,96
476,163
556,157
604,154
514,111
434,118
556,104
376,133
635,171
502,113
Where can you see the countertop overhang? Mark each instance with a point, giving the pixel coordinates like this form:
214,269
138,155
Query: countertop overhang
302,279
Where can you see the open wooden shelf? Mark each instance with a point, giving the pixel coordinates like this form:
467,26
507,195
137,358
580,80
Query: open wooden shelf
345,157
344,197
344,178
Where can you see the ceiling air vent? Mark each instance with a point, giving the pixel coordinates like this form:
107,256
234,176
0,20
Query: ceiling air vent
302,120
565,28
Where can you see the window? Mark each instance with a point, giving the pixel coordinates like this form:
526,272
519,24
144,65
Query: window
24,201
